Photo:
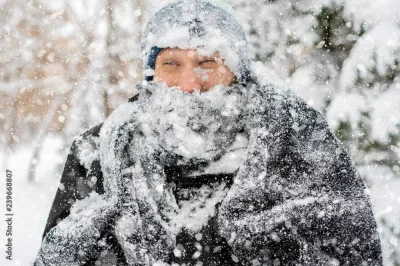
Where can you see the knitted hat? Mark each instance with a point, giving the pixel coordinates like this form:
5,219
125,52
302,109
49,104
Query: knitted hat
206,25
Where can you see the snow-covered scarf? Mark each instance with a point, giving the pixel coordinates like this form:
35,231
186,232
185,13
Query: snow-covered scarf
297,198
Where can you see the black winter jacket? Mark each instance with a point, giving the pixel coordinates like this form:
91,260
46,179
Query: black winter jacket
319,229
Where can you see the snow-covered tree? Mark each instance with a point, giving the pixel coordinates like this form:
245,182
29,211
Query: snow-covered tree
65,66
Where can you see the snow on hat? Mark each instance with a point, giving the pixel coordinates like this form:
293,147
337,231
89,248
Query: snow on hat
206,25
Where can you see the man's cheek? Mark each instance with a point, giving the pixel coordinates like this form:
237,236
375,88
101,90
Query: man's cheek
202,74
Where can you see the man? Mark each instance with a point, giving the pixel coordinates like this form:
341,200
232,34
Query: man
211,164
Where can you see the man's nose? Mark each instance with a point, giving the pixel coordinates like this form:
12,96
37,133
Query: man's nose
189,80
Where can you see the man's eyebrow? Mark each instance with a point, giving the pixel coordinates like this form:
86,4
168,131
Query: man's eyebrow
213,56
168,56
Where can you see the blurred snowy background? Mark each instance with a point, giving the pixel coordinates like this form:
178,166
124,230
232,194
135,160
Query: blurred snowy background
65,65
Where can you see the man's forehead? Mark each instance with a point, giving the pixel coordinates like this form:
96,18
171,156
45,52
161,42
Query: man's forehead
190,52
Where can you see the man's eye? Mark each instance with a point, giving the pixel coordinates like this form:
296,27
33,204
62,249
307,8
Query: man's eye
208,61
170,63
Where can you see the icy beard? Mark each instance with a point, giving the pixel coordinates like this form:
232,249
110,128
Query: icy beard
190,127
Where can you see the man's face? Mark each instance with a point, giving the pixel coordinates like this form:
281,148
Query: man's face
188,70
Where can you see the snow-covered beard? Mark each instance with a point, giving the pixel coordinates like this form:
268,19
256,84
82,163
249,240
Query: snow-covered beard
191,127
